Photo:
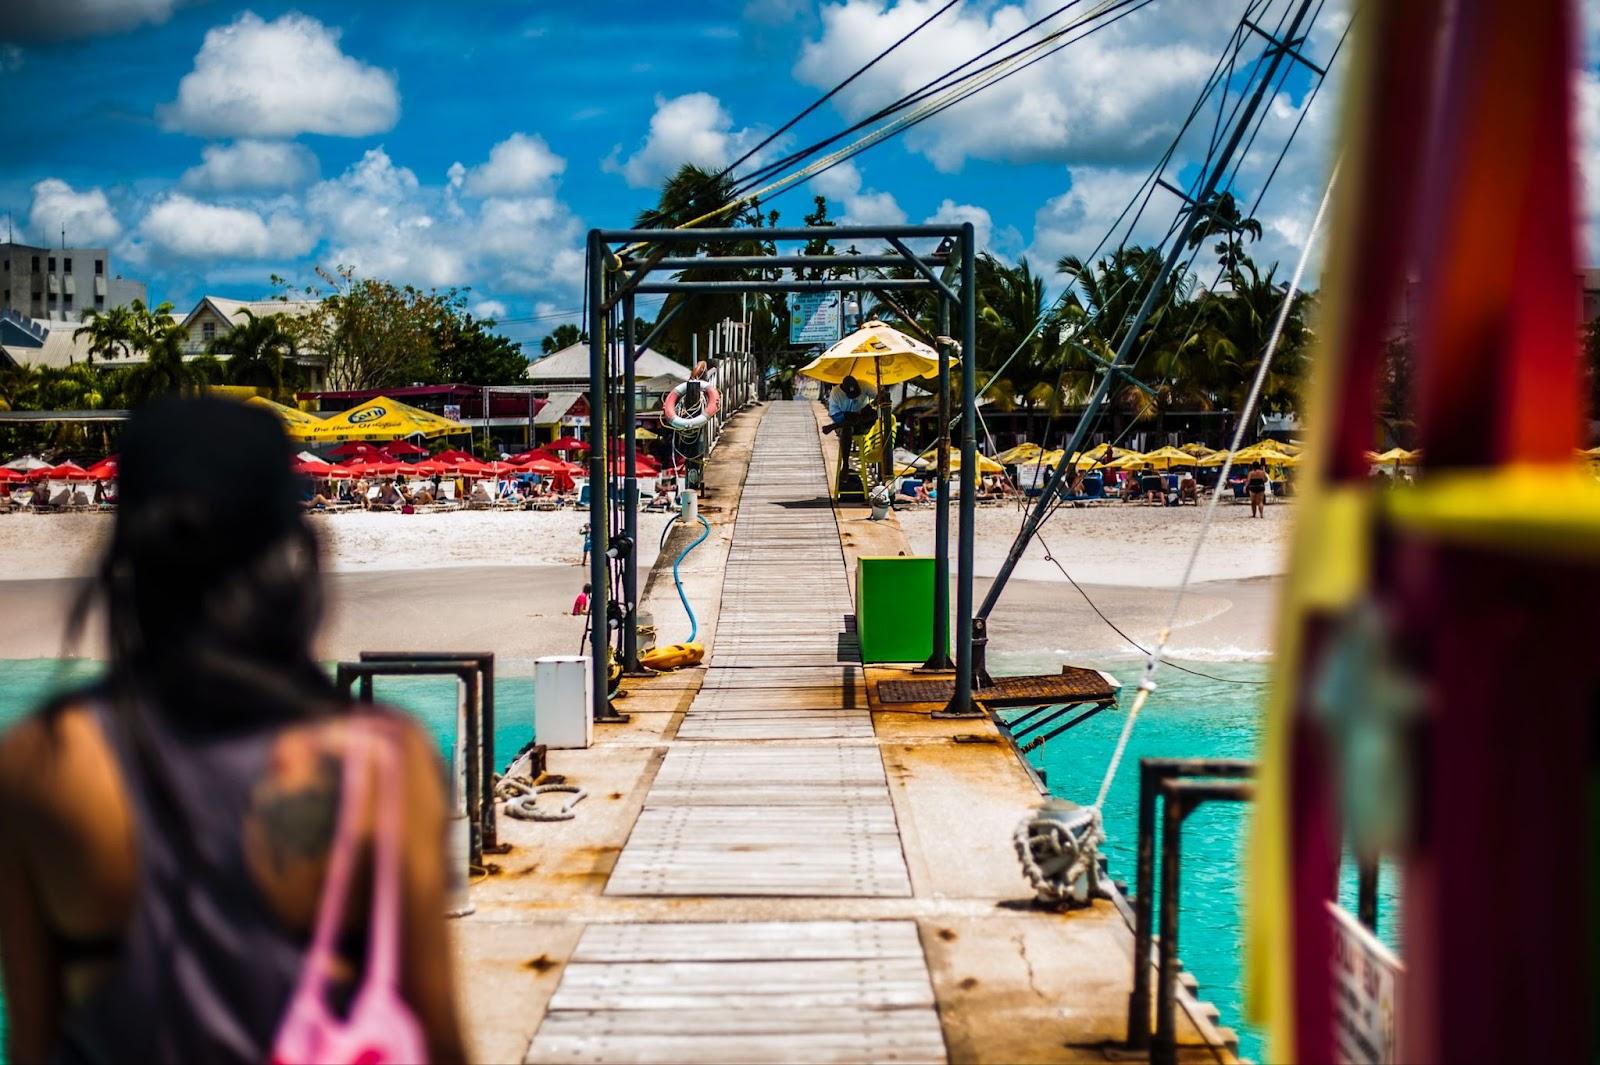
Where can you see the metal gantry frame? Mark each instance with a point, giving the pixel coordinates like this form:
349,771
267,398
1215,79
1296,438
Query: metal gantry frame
616,277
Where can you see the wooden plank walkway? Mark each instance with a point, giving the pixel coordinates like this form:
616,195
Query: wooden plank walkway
772,787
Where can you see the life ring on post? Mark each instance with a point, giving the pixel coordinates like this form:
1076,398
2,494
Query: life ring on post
709,401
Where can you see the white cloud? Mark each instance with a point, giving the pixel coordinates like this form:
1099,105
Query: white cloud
86,216
58,20
693,128
982,222
381,222
252,165
1109,98
851,204
489,309
380,219
1587,121
254,78
520,163
186,228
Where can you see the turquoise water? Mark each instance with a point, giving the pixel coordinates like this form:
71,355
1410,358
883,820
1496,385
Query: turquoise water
1193,717
1188,716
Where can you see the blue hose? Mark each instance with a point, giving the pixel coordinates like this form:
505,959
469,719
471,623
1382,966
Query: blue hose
694,625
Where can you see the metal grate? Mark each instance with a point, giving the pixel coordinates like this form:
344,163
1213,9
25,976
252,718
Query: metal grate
1073,684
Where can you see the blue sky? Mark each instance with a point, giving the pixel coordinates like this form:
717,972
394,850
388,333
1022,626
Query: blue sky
212,144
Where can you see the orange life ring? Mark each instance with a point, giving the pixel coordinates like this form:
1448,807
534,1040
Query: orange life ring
709,402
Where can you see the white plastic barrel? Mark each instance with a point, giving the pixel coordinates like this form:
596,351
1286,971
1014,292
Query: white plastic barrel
562,716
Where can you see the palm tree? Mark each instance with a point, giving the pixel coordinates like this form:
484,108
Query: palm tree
697,198
1234,335
1220,217
258,350
110,333
164,371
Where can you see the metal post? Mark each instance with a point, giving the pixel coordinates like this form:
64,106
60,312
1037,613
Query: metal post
630,497
940,656
961,702
599,487
1367,892
1143,909
1173,810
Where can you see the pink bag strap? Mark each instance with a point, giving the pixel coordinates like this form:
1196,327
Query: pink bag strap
384,928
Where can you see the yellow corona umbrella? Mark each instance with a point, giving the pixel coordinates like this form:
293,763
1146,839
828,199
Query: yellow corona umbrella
297,424
927,461
1167,457
1199,451
1397,455
380,419
876,354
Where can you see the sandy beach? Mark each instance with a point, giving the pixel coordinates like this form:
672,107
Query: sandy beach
502,582
505,581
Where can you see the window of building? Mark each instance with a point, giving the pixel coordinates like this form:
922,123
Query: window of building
52,299
208,331
8,266
52,264
66,266
36,264
100,301
66,301
8,297
99,266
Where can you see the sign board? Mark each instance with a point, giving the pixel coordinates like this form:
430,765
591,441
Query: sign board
452,411
575,421
814,317
1366,984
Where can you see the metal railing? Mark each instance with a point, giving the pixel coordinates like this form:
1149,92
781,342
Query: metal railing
1183,785
474,774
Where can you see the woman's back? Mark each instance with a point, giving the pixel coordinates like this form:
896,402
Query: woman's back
175,885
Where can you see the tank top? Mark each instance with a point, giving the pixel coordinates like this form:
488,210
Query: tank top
206,968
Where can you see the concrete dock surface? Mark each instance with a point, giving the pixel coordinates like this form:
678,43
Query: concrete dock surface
772,866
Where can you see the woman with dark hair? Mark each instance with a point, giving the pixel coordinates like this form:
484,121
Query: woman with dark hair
165,835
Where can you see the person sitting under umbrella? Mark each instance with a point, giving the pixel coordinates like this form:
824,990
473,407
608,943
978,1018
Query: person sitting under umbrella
850,410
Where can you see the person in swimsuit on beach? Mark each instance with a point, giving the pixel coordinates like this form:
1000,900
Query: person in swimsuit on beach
165,832
1255,486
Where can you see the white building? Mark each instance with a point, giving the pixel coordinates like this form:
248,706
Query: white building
61,284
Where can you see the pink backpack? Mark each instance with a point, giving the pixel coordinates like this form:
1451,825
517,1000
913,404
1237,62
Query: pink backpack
380,1028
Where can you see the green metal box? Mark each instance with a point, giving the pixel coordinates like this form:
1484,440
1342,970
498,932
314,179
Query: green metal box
894,608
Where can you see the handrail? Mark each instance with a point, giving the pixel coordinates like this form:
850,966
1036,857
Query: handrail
1154,775
475,671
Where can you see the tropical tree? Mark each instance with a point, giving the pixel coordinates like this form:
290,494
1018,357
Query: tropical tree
111,332
1236,328
562,336
468,351
260,353
164,372
1220,216
696,198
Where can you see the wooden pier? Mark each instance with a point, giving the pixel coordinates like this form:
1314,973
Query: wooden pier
773,866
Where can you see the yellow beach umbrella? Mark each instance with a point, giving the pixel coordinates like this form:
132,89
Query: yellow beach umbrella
876,354
1396,455
297,424
1022,453
1199,451
641,433
985,464
1167,457
381,419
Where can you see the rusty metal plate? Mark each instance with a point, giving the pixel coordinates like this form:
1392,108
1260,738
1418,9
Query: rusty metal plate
1072,685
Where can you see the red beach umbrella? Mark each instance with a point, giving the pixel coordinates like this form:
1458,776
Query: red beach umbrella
456,457
356,449
105,469
397,448
67,471
324,470
11,475
567,443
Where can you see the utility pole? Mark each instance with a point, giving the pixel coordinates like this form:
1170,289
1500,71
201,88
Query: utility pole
1191,213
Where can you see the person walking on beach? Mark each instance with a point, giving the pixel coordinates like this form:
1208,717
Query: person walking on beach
580,605
171,835
1255,486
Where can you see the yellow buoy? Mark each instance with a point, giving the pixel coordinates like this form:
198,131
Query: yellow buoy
673,656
